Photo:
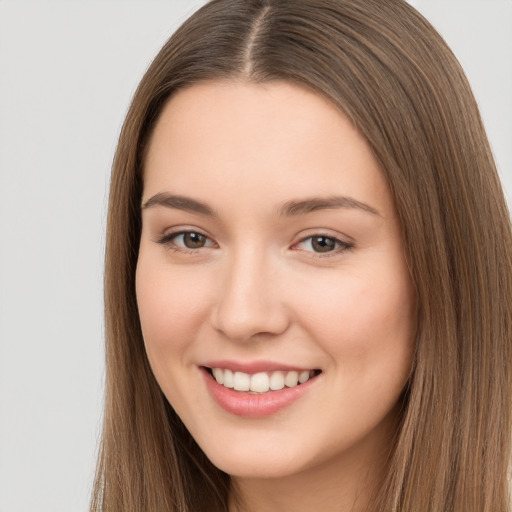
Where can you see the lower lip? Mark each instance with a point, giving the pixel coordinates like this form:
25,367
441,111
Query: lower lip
249,405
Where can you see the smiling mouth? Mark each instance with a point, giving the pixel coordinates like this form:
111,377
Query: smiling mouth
261,382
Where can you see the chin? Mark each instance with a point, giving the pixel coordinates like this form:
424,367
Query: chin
264,457
256,466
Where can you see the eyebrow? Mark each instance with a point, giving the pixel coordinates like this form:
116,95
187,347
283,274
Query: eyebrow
303,207
179,203
289,209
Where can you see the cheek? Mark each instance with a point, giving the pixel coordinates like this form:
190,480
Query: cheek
365,322
171,306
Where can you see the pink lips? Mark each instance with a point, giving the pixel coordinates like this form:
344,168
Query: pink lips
248,405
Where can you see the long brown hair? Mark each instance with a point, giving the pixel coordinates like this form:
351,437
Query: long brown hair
387,69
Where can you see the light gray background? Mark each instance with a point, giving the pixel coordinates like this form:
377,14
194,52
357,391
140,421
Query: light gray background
67,73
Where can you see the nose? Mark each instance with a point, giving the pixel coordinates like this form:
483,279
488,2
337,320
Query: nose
250,302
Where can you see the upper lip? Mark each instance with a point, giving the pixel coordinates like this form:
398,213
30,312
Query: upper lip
254,366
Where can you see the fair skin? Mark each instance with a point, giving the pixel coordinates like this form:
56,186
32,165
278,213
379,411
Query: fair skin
286,255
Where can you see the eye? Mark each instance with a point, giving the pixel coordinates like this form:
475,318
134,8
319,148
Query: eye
186,240
322,244
191,240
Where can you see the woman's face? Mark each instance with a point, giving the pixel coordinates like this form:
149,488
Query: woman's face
271,255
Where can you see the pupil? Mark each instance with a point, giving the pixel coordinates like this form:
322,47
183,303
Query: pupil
194,240
323,244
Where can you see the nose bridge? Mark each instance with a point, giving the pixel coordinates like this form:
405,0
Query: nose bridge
249,301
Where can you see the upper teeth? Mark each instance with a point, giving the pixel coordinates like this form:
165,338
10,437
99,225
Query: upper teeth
260,382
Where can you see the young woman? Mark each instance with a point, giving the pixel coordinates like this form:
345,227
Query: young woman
308,272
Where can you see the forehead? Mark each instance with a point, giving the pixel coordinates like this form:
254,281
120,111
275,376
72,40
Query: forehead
275,139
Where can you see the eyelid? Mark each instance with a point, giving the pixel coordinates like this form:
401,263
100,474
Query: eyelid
342,244
168,238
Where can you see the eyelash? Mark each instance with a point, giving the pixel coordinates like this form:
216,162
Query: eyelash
340,245
168,241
